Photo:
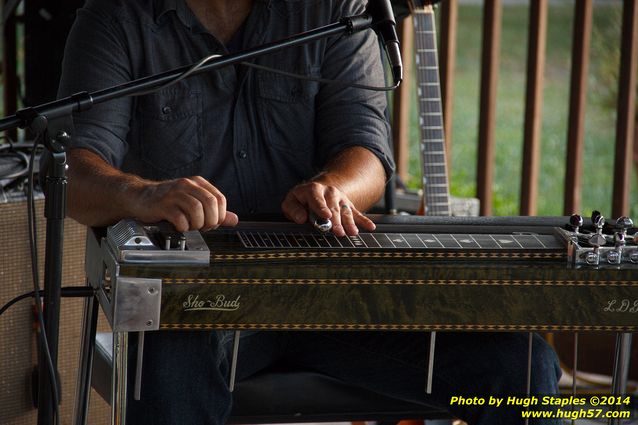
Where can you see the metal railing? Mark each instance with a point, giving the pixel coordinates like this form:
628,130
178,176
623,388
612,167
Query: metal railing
626,132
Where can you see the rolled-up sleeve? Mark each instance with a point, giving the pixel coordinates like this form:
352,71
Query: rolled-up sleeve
348,116
96,57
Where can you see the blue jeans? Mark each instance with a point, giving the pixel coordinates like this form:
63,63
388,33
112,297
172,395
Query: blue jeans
185,374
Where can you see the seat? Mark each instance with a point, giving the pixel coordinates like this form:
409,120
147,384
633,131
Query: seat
280,396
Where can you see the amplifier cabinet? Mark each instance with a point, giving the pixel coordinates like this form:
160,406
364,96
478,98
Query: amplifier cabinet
18,349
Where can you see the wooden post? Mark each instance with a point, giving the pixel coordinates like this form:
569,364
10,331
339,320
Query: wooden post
533,106
577,101
487,121
401,101
626,108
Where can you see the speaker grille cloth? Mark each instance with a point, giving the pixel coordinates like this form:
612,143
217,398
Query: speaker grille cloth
17,336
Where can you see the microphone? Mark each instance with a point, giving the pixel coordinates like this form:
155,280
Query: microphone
384,25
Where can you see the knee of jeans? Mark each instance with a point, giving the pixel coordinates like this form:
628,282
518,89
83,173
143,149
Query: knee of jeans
546,369
219,342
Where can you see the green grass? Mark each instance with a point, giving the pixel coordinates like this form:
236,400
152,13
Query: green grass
598,157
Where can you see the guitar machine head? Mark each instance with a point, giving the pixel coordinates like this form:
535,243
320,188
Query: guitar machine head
403,8
600,243
416,4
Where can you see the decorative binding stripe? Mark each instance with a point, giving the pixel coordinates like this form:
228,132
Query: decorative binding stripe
442,282
385,327
465,255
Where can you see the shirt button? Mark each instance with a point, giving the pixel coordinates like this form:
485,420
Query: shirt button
252,211
242,154
167,110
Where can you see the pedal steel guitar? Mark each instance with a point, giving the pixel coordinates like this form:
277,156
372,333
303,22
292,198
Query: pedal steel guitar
412,273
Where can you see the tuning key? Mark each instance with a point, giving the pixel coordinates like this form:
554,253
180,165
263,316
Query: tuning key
619,239
596,240
598,220
575,221
615,256
594,215
593,248
624,223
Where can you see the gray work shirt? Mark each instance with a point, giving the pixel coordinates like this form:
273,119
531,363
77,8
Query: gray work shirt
253,134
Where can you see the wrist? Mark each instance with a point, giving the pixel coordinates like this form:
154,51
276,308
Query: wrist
327,178
137,196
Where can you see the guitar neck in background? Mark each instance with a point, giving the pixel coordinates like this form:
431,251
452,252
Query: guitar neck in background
436,194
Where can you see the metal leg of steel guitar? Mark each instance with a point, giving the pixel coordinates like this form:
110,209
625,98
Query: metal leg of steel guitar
233,362
621,368
119,387
528,386
430,372
137,390
83,390
575,371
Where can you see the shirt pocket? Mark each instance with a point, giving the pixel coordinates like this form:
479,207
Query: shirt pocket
171,132
287,111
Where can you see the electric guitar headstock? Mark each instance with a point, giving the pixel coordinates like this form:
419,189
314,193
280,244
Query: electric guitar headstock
403,8
416,5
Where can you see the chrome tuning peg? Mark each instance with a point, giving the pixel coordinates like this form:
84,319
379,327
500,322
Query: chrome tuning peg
575,221
624,223
615,256
619,239
598,220
597,240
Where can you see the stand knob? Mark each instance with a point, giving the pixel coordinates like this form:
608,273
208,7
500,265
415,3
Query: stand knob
60,142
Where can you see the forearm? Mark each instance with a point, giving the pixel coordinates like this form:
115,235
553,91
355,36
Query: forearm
358,173
99,194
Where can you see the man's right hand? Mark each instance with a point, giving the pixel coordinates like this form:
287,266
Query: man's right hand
100,195
188,203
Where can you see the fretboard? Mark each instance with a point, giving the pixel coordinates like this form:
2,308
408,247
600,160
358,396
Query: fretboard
432,146
421,241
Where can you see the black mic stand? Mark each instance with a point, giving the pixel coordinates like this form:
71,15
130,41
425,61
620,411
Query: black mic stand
49,118
54,135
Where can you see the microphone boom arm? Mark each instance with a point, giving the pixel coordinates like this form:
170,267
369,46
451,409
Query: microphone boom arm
84,100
